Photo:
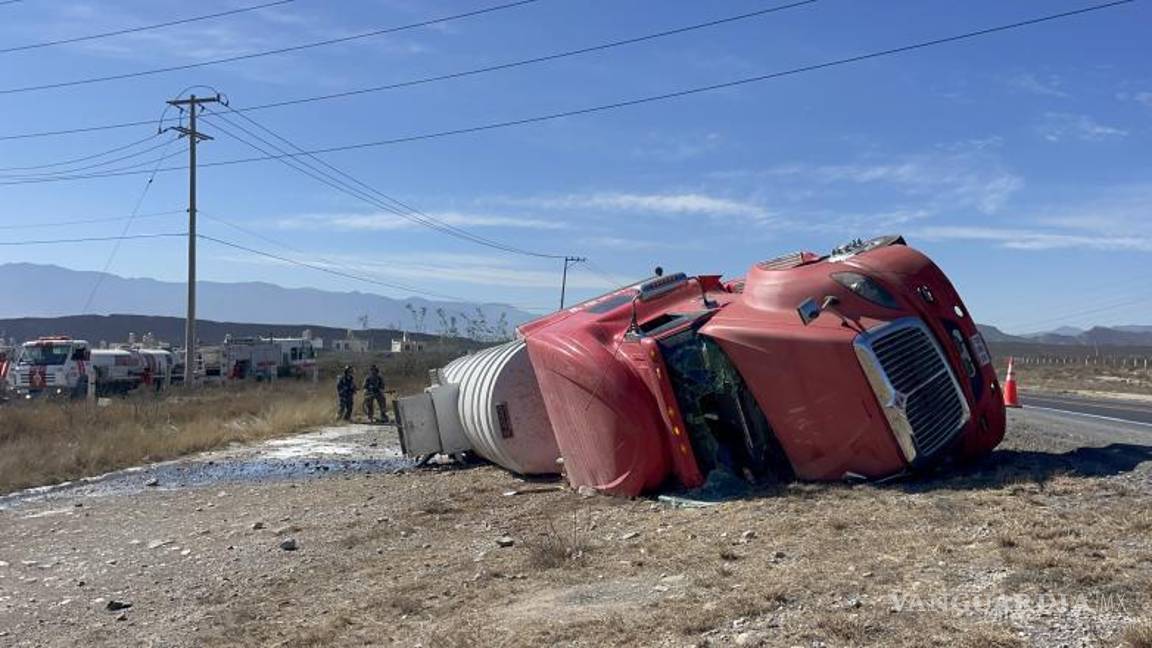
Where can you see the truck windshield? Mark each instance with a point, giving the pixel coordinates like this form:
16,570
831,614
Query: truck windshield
45,354
728,431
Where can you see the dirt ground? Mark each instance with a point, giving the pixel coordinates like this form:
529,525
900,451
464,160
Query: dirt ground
1047,543
1095,381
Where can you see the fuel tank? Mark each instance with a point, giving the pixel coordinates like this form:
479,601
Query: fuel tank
501,410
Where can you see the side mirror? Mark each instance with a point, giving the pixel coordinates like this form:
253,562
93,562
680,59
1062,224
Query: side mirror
808,310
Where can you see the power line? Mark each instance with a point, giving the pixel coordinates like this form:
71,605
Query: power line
278,243
82,159
250,250
272,52
124,232
93,239
404,211
262,237
529,61
1077,314
95,165
433,222
392,205
613,281
319,268
348,273
452,75
82,129
649,99
132,30
303,167
61,176
89,221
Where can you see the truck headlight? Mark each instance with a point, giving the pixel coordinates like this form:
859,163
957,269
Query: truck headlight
866,288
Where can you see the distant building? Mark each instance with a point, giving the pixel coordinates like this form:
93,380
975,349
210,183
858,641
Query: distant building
317,342
405,345
351,344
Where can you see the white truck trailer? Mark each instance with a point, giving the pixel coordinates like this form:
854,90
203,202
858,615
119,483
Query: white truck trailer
118,371
297,357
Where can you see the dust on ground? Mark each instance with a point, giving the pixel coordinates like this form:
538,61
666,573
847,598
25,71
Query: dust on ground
1046,543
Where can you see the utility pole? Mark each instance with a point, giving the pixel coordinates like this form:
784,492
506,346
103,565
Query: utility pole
568,260
193,103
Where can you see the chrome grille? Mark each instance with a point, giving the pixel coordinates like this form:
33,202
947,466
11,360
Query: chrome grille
919,393
24,378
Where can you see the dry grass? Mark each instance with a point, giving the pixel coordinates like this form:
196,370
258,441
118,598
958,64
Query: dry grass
982,637
45,442
1137,636
559,547
1081,378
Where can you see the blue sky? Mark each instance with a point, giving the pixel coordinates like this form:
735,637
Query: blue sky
1019,161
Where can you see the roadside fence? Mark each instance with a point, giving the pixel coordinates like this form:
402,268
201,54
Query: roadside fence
1120,362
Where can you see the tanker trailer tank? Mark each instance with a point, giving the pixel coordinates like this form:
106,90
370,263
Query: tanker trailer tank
499,408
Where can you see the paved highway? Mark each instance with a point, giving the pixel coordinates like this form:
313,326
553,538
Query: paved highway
1137,412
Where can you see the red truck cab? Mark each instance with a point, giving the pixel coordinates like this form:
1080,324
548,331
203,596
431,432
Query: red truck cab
859,364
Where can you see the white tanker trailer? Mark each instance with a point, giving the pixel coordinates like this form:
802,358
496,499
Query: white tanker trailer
487,403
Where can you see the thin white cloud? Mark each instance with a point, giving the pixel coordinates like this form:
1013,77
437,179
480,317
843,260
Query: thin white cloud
653,203
854,223
1113,218
974,145
623,243
387,221
678,148
1114,211
445,268
1060,127
1049,86
265,29
1033,239
952,181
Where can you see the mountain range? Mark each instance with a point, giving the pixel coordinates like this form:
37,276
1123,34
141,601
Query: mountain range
35,290
1127,335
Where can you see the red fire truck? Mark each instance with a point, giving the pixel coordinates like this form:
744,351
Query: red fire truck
862,363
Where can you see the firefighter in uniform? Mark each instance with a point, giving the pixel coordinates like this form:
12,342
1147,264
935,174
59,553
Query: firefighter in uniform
374,395
346,391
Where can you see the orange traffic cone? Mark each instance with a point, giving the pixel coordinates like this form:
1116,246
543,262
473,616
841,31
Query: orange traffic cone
1011,398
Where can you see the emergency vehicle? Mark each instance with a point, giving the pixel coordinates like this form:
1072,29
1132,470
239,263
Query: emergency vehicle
297,357
51,366
117,371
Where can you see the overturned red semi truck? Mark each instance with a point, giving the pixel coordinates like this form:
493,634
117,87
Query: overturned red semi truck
860,364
